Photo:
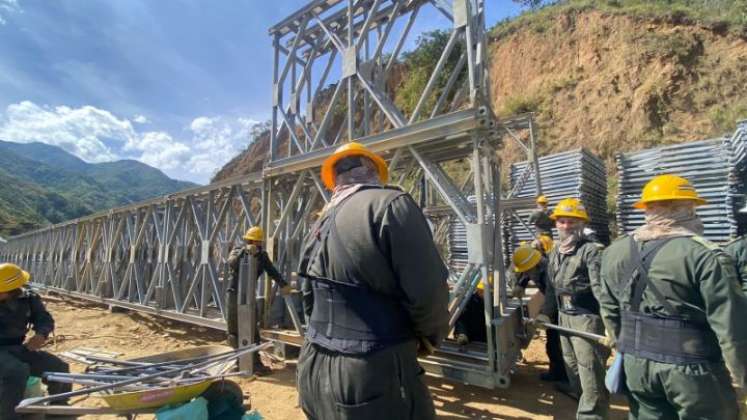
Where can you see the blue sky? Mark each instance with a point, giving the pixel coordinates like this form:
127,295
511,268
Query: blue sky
176,84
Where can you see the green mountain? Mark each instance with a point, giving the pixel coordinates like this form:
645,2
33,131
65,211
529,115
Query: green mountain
42,184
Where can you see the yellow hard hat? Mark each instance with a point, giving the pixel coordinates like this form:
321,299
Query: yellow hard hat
668,187
255,233
570,207
546,242
347,150
525,258
12,277
542,200
480,286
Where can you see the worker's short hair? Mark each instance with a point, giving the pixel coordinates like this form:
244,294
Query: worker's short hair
348,163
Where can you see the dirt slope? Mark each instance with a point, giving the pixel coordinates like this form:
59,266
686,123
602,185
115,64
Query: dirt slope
612,83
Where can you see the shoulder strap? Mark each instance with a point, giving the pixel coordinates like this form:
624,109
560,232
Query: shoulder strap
641,264
706,243
326,225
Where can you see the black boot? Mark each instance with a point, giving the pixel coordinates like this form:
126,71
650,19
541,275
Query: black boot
550,377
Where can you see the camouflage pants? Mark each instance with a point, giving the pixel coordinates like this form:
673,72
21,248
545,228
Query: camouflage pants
585,364
385,384
689,391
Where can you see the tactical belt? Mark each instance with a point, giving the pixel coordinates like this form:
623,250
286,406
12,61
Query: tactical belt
355,312
11,341
350,311
577,303
665,339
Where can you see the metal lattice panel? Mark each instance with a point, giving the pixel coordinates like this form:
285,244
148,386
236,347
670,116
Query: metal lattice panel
336,55
578,174
716,167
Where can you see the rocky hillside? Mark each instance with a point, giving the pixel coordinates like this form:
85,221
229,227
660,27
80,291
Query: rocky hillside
612,76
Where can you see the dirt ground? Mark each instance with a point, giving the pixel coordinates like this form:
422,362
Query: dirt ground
275,397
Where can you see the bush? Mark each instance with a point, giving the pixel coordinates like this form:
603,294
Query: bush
724,117
682,48
520,104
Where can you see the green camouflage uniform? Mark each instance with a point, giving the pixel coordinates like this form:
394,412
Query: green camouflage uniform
577,275
541,221
696,280
264,265
738,251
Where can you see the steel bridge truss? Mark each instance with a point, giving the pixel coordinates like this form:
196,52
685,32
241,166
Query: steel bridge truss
167,256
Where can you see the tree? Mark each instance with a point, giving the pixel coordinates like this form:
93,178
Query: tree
532,4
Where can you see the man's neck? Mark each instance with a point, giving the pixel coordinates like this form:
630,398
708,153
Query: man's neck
10,296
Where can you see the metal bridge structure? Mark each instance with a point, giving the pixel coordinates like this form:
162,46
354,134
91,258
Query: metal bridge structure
337,75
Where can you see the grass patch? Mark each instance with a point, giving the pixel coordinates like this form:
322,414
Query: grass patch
682,48
722,15
724,116
568,82
520,104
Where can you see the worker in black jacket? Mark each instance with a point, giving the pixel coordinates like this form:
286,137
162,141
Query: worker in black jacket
21,357
470,326
375,293
253,247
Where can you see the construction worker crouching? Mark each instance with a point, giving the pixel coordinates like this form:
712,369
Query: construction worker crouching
529,264
375,294
19,357
672,302
470,326
573,282
253,247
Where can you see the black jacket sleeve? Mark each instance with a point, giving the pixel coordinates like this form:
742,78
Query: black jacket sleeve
418,268
265,265
41,320
307,293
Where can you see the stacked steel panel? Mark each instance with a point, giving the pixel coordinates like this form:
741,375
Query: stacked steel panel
578,174
738,142
716,167
457,245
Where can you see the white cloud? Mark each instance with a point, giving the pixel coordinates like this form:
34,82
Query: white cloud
92,134
6,8
218,139
160,150
201,124
97,135
140,119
